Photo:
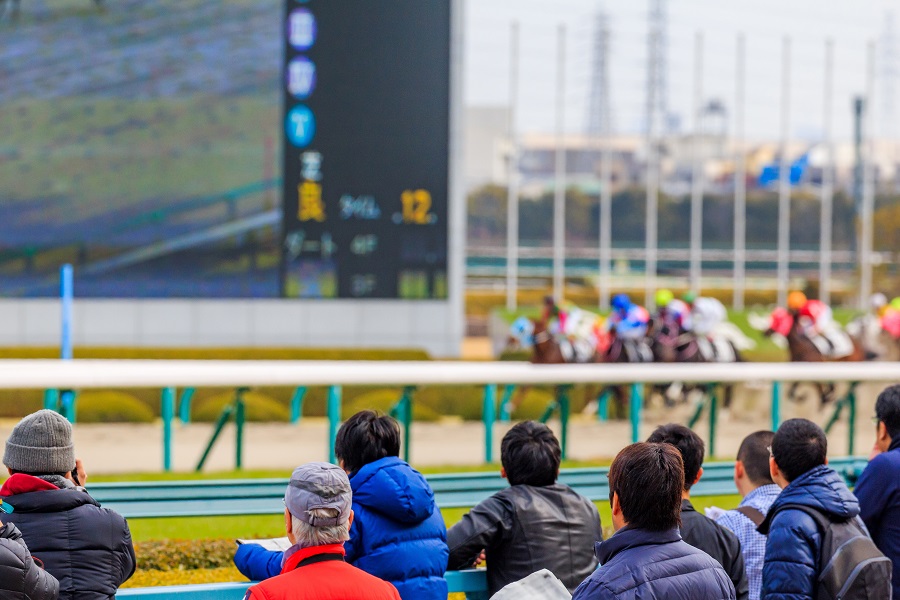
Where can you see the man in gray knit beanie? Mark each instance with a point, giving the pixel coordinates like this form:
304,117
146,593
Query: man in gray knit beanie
61,523
41,444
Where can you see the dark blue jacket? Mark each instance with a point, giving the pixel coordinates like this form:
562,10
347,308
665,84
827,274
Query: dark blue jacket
878,491
636,563
398,533
794,542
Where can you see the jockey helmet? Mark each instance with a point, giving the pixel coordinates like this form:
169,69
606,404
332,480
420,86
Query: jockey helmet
663,297
796,300
689,297
621,302
878,300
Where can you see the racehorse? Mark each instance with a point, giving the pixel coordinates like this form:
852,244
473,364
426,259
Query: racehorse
670,345
803,349
13,7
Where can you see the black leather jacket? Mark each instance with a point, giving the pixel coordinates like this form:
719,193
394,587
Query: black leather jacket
20,577
717,541
523,529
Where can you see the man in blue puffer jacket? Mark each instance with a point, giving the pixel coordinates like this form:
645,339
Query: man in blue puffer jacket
646,558
799,466
398,533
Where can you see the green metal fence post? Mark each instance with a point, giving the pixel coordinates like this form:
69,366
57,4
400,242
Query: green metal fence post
167,411
836,415
51,400
851,435
603,405
184,405
220,424
334,419
713,418
506,403
488,416
564,418
776,405
637,400
239,428
297,405
402,411
698,412
68,400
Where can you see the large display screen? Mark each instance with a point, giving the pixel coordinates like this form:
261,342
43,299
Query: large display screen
366,137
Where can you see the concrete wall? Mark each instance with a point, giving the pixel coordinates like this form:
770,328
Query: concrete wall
261,323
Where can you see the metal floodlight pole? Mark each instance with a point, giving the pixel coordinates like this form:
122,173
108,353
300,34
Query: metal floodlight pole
784,178
826,215
740,181
512,196
606,213
868,204
559,195
697,174
652,200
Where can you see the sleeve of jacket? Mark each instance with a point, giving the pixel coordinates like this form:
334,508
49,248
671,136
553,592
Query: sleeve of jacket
792,548
256,563
126,558
872,492
480,528
37,584
592,590
736,570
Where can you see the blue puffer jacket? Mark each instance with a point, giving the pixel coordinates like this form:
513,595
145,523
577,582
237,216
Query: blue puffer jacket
636,563
794,542
398,533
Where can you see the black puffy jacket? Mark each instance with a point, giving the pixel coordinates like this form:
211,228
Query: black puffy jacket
527,528
86,547
20,577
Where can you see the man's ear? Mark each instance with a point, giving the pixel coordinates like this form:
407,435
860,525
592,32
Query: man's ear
882,433
614,504
774,471
350,520
739,470
503,473
699,475
288,522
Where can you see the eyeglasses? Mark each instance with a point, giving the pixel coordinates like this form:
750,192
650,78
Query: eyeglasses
769,448
876,420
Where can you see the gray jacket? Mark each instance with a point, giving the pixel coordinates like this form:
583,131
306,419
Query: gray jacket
20,577
523,529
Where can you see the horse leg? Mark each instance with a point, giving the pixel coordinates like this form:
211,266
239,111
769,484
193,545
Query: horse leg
826,394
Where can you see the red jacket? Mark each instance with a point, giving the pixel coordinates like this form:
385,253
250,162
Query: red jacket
326,580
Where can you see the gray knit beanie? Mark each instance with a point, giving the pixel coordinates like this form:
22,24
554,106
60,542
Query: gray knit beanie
41,443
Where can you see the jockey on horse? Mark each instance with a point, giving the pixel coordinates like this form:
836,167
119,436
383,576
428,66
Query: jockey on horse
719,340
667,332
816,323
628,322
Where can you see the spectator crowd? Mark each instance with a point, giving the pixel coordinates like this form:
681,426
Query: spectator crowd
369,527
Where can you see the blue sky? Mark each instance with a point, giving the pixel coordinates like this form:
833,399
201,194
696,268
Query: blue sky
851,24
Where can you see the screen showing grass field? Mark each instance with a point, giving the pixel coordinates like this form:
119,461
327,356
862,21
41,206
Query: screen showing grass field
140,142
366,135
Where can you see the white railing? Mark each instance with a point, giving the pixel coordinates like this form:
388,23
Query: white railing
171,374
83,374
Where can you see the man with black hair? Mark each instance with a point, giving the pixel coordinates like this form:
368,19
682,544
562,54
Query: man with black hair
398,533
878,488
646,558
799,466
697,529
755,485
534,524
